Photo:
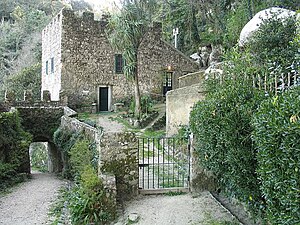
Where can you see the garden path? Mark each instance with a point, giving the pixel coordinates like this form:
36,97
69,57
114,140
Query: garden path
187,209
108,125
29,202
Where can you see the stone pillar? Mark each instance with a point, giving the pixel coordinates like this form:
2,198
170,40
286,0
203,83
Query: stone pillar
10,96
46,96
55,157
200,179
119,158
28,96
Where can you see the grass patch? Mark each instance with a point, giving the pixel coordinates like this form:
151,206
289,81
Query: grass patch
175,193
153,134
209,220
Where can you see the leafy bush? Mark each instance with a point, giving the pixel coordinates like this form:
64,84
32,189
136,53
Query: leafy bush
146,104
65,140
221,124
88,201
27,79
272,46
14,145
14,142
276,135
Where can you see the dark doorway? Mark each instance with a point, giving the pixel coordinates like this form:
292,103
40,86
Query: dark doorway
167,85
103,97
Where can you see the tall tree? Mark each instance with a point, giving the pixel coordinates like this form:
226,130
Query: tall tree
127,29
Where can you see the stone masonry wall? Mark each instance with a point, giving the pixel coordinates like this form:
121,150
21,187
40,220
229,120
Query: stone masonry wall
88,58
154,57
191,79
179,104
118,165
93,134
120,157
84,61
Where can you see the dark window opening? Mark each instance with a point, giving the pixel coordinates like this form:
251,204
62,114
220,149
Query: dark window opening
52,65
47,67
119,63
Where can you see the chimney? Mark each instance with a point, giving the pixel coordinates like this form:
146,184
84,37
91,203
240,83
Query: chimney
157,29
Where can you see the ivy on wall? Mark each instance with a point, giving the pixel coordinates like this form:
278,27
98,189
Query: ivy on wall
87,200
41,123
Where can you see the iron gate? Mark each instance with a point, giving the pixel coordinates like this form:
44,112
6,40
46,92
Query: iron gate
164,163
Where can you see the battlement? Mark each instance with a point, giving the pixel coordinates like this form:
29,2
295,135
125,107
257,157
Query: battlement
70,17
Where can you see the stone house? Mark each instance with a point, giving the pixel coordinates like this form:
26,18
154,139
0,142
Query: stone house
80,65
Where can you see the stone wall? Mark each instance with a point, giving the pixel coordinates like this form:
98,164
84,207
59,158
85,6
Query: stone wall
155,56
179,104
119,156
85,60
88,58
42,121
191,79
118,165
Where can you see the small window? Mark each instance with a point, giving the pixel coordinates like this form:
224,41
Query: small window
119,63
52,65
47,67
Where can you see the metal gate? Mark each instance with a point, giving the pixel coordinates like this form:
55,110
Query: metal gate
164,164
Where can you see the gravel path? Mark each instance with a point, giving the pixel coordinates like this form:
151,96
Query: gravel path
29,203
175,210
108,125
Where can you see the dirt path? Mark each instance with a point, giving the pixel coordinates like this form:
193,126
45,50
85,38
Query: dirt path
108,125
29,203
176,210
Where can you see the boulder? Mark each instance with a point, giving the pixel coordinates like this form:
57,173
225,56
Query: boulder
253,25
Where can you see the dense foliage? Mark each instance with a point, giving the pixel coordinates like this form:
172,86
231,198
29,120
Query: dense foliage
222,126
276,135
20,40
14,145
248,136
27,79
87,200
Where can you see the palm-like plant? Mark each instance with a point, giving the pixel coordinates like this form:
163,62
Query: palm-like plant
127,29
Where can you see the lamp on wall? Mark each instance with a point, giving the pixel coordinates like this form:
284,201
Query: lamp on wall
169,67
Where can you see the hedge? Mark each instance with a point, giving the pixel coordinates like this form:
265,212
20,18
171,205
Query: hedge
277,137
221,124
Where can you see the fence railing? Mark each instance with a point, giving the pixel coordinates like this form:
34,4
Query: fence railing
271,83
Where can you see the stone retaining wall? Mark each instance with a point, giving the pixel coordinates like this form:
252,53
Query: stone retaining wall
191,79
118,165
119,157
179,104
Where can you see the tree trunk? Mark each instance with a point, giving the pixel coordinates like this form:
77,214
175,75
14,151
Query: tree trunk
137,96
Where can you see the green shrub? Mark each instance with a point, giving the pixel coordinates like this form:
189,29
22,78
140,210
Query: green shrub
276,135
221,124
146,104
65,140
14,142
88,201
80,156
